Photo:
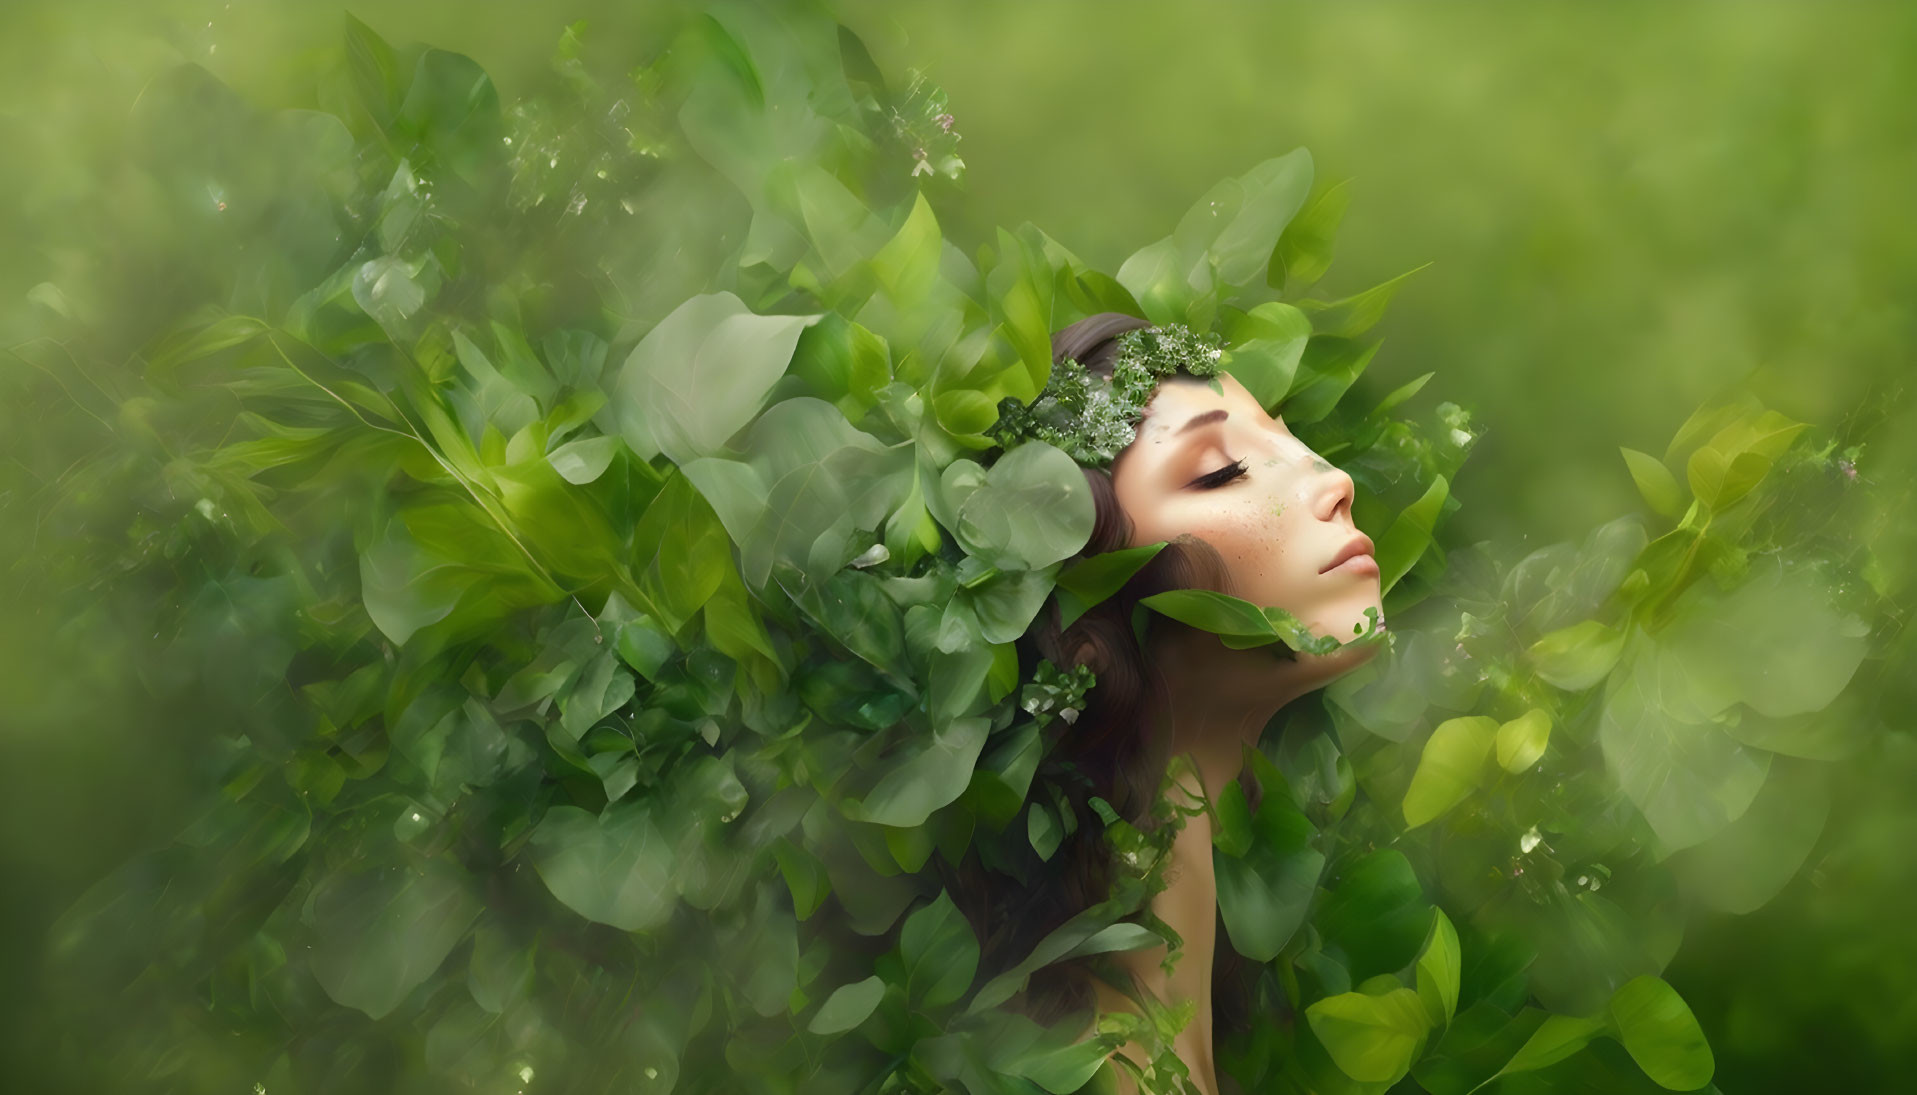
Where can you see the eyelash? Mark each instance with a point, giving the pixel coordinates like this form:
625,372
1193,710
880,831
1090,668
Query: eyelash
1222,476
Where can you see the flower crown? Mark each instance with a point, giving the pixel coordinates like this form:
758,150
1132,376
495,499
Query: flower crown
1093,418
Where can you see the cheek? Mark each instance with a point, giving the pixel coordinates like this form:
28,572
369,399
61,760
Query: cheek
1269,547
1273,550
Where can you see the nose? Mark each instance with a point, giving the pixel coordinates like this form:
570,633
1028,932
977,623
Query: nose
1334,494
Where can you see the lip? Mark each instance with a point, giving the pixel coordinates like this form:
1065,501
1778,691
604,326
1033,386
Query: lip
1359,547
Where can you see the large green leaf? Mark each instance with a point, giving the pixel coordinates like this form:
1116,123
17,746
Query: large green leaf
927,779
1690,778
1033,509
701,374
939,952
1265,892
381,931
615,868
1373,1039
1265,346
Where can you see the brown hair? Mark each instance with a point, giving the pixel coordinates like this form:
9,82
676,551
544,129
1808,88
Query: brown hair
1103,753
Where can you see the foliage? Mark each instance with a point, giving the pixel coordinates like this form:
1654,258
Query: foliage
593,658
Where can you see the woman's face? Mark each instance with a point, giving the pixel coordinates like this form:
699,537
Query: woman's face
1280,524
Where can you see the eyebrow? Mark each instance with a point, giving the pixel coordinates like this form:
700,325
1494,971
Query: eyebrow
1203,419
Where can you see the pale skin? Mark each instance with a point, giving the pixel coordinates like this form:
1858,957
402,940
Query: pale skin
1279,526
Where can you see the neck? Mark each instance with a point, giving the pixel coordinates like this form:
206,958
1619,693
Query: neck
1189,905
1211,704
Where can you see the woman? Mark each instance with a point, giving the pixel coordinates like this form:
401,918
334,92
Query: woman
1248,510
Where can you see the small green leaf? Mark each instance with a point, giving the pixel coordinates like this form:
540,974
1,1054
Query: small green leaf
848,1006
1655,482
582,461
1356,314
1409,536
1091,580
1558,1037
1451,767
1661,1034
387,289
1576,657
1372,1039
1232,835
1522,740
1438,970
930,778
940,953
1303,253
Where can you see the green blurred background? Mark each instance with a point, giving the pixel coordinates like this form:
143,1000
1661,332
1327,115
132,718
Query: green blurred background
1626,209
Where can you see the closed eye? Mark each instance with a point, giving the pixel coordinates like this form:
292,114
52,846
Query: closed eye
1220,477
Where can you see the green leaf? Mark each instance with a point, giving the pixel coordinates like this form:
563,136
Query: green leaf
1052,1058
1397,396
1655,482
1687,776
1231,618
1410,534
1043,831
1451,767
612,869
940,953
1375,914
680,551
1372,1039
1661,1034
1266,199
1161,280
1438,970
1575,658
1091,580
501,972
1558,1037
1777,642
1747,863
583,461
374,71
848,1006
701,374
380,932
1327,370
927,780
388,290
1522,740
452,110
1006,605
1304,250
1033,509
1738,457
1265,346
1356,314
1264,894
804,876
1232,820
